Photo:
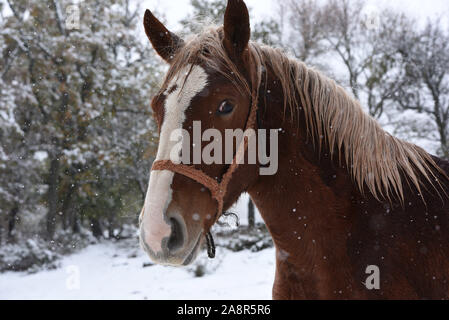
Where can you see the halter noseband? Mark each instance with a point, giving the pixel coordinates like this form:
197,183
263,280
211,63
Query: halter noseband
217,190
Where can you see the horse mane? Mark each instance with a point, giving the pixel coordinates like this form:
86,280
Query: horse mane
335,119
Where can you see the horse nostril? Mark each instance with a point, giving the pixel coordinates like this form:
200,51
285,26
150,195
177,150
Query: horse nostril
176,240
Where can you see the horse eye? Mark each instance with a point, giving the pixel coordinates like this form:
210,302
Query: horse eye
225,108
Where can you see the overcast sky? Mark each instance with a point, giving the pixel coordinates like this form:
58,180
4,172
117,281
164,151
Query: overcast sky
175,10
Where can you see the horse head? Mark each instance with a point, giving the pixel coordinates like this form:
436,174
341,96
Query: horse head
209,84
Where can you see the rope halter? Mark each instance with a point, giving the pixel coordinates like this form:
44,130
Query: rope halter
218,190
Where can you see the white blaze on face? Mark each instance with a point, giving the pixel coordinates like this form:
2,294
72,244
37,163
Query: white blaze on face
159,195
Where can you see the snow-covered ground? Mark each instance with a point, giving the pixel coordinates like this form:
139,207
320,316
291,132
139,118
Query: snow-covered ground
116,271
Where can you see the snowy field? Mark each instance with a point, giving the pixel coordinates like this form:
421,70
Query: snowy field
114,271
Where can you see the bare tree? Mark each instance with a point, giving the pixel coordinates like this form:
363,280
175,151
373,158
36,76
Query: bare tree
306,24
425,77
359,44
251,214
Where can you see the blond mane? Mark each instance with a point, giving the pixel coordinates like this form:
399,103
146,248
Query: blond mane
374,158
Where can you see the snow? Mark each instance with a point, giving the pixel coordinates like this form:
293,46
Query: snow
111,271
115,271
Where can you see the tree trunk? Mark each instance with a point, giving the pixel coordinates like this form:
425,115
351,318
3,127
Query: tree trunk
96,228
66,207
443,139
12,219
74,222
111,226
52,198
1,233
251,215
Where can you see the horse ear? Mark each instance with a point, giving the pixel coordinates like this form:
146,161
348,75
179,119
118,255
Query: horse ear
237,30
164,42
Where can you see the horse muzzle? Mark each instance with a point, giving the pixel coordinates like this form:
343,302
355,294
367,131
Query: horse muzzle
173,247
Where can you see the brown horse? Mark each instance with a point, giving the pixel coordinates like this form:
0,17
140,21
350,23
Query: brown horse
354,212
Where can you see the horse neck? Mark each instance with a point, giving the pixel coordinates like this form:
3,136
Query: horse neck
307,204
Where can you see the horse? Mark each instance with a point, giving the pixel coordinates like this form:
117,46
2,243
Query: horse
354,212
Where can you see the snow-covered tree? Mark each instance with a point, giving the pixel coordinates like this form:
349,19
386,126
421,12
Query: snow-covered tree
425,78
79,93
